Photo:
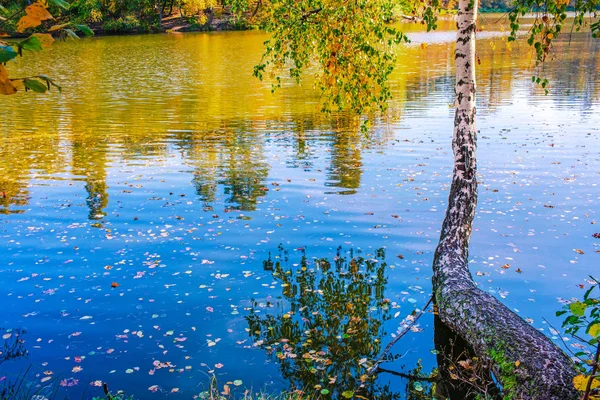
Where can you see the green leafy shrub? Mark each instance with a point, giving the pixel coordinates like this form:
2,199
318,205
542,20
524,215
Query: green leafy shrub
582,322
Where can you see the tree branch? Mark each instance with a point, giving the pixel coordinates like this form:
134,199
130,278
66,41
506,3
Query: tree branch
391,344
410,376
307,14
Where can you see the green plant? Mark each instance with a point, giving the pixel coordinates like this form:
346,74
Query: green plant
109,396
584,316
508,371
123,25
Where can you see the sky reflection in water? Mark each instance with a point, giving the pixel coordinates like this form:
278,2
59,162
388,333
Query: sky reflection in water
165,168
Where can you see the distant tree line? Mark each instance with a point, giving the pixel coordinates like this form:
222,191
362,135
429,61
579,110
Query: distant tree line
127,16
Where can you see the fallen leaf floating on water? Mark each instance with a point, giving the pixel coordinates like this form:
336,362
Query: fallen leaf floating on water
226,391
578,251
114,285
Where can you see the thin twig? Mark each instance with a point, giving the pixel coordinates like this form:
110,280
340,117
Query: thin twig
561,339
588,387
410,376
391,344
258,4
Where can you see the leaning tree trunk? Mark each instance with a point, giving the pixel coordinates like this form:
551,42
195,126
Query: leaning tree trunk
525,362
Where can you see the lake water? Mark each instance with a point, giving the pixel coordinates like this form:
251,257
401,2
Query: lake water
166,170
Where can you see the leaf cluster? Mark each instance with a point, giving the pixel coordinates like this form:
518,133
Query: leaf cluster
584,316
349,44
549,22
34,15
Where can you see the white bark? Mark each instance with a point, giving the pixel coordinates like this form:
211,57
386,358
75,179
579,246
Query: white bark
498,336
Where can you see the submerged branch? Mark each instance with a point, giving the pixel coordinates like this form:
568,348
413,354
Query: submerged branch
410,376
391,344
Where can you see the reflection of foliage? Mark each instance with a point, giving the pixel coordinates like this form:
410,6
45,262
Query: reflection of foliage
13,346
346,165
419,386
234,162
245,174
332,330
89,160
97,199
11,194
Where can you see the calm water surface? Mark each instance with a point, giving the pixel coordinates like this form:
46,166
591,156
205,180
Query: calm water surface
165,168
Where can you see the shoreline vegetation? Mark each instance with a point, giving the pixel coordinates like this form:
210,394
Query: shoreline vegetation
187,17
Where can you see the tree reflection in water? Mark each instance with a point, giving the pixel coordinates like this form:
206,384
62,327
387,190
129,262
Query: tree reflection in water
333,324
327,329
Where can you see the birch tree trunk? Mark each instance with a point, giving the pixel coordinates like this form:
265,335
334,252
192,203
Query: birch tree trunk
526,364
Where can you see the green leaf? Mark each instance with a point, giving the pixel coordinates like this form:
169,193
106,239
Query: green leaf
50,82
7,53
324,391
578,308
594,329
587,292
32,43
348,394
60,3
85,30
237,382
71,34
35,85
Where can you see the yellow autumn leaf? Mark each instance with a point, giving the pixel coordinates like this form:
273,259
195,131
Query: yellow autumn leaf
226,390
3,73
34,15
7,88
57,27
27,22
45,39
580,382
38,10
18,84
594,330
